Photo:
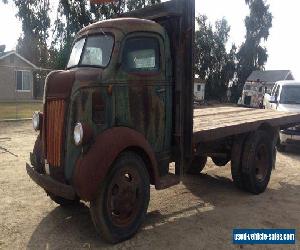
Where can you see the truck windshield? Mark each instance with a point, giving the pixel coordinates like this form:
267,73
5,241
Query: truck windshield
290,95
92,51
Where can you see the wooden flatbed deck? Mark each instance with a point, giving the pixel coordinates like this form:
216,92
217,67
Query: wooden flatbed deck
219,122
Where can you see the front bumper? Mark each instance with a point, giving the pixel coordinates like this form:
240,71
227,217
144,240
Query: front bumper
289,137
50,185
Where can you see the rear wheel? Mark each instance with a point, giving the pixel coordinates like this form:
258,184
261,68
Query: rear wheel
122,201
281,148
257,162
197,165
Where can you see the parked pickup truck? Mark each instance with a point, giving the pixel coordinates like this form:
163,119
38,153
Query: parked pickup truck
285,97
122,111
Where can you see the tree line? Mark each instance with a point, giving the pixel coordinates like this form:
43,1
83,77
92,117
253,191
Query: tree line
47,43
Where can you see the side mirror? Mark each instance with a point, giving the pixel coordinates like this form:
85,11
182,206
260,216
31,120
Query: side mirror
273,99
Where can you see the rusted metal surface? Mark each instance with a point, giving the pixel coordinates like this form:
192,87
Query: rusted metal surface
59,84
124,198
50,185
92,167
125,25
215,123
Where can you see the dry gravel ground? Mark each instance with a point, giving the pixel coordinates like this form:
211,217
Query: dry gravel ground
200,213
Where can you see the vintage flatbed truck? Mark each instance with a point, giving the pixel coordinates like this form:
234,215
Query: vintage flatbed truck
122,111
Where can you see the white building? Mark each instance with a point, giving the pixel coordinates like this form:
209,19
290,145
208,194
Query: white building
199,89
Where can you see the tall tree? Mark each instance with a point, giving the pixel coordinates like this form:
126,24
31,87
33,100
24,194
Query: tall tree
252,54
72,15
212,62
35,26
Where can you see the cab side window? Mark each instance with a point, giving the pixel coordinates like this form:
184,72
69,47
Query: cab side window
141,55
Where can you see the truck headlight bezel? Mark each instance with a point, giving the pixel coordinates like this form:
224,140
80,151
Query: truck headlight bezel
37,120
78,134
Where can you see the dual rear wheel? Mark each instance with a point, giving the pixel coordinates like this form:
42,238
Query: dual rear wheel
252,160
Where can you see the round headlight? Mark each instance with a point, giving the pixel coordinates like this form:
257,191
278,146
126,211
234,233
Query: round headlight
78,134
36,121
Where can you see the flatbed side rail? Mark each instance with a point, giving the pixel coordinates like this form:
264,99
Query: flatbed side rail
218,123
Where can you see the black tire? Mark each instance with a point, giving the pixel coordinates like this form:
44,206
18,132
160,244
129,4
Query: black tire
129,178
257,161
62,201
37,151
197,165
281,148
236,161
219,161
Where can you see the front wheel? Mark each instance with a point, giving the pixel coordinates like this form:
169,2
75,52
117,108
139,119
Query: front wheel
122,201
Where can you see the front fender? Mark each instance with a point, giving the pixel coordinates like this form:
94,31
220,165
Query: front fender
92,167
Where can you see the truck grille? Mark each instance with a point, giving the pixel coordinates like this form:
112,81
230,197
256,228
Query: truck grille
54,126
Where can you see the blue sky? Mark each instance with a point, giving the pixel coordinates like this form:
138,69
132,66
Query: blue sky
283,44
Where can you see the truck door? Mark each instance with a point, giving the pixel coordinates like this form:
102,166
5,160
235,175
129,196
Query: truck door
143,65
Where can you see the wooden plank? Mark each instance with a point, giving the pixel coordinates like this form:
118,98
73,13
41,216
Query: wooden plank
220,122
220,110
225,117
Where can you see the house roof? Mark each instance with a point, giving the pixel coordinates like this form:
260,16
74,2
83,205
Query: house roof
3,54
271,76
8,53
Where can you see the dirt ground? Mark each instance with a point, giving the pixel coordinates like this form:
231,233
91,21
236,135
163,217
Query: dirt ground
200,213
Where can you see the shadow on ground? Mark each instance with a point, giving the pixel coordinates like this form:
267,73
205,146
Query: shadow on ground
220,200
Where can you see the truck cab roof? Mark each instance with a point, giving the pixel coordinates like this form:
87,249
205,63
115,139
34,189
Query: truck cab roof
125,25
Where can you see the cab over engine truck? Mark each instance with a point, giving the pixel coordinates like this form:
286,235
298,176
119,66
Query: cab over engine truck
122,111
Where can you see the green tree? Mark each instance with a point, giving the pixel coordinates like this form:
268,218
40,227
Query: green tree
34,16
138,4
36,44
212,62
252,54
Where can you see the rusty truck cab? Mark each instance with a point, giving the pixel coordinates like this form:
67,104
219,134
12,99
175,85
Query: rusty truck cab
116,94
118,115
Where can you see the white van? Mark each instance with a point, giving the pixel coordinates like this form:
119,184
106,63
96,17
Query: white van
285,96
